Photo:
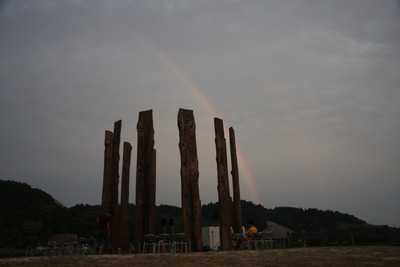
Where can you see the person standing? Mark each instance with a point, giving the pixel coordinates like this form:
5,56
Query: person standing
104,223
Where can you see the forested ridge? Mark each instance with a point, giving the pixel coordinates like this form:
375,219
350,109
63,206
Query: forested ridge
29,216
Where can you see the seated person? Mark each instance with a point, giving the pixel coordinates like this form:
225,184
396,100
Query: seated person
237,240
251,231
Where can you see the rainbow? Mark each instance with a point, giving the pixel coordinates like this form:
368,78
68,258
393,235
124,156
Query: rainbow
183,77
243,166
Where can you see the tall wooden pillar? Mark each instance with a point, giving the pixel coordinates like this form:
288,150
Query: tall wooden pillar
145,209
151,189
237,207
114,186
106,194
191,204
126,164
225,202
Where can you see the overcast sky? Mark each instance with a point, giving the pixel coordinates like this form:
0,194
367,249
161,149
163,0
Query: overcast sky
311,88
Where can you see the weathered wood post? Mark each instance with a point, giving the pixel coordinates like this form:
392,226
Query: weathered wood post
106,193
114,186
191,204
145,210
126,165
225,202
237,207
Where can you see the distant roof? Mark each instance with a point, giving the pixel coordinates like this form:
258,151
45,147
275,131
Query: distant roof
275,230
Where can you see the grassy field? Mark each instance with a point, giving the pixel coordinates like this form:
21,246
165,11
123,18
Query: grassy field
327,256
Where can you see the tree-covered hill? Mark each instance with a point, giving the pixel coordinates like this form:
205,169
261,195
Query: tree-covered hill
297,219
29,216
315,226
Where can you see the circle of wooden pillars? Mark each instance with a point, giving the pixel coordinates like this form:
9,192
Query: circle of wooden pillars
145,209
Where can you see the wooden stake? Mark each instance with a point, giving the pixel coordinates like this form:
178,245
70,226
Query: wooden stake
237,207
145,209
191,204
114,186
126,164
106,194
225,202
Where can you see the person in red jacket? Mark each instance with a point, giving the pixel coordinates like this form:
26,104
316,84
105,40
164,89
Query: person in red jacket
104,223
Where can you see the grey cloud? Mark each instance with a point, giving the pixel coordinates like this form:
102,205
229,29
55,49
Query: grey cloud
311,88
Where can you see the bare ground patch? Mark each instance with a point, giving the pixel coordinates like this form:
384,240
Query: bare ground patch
328,256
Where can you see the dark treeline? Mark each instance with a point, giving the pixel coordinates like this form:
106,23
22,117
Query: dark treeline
30,216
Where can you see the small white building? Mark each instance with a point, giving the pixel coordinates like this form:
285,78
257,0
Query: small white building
211,237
